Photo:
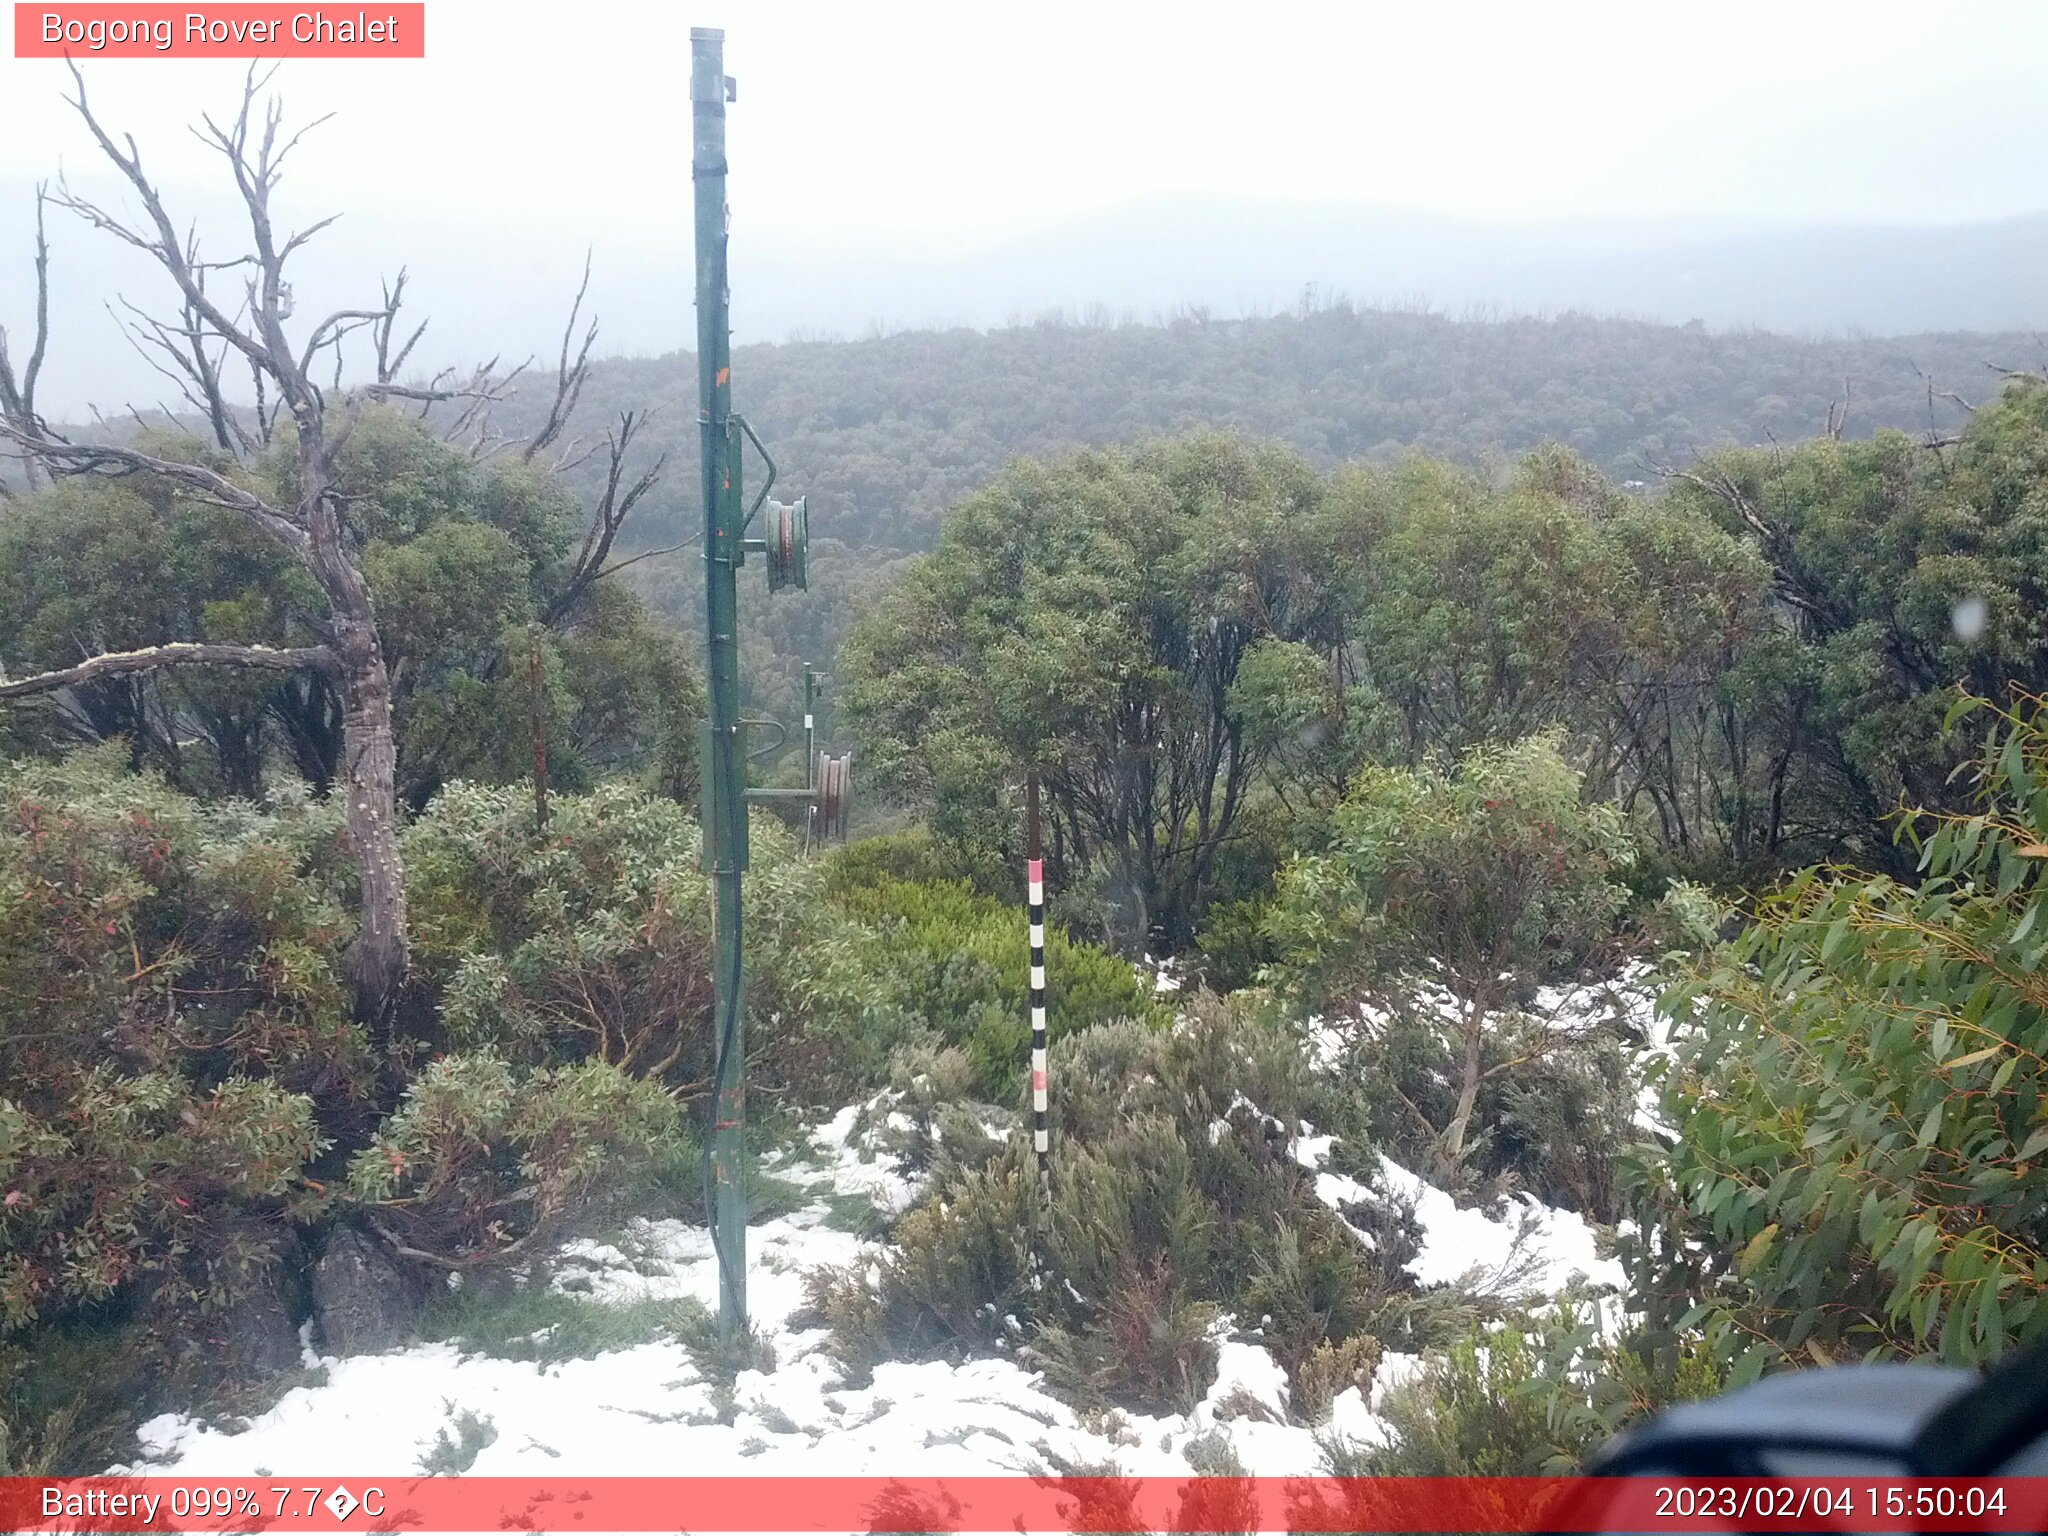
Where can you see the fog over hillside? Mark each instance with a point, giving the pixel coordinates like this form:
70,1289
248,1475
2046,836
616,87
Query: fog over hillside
1236,256
496,287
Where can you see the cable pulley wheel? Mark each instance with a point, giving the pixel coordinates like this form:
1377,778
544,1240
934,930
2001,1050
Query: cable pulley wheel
789,537
835,792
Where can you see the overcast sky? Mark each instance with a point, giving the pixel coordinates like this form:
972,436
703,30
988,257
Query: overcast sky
874,127
955,117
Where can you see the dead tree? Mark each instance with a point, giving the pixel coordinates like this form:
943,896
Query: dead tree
18,386
218,335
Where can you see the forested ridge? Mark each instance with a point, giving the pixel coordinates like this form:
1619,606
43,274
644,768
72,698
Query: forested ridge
886,434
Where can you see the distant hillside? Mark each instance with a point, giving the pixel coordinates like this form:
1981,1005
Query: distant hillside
885,435
1148,259
1249,256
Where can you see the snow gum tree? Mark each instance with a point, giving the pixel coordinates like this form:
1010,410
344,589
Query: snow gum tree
1089,617
1489,876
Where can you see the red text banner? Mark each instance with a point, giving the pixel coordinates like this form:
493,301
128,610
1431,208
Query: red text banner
242,31
1010,1504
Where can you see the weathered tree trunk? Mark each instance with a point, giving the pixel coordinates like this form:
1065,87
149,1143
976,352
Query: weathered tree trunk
1468,1087
379,958
368,783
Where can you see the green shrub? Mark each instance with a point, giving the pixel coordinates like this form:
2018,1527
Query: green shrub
1564,1120
1175,1197
960,961
927,1117
959,1264
184,1099
915,857
1556,1103
1315,1289
478,1160
719,1359
1471,1412
1235,945
1108,1316
594,942
1219,1497
174,1047
161,931
69,1393
1860,1095
1530,1397
1331,1370
1124,1204
531,1321
1150,1346
448,1456
146,1177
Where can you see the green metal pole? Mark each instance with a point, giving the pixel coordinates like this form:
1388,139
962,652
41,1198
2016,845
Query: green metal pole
725,828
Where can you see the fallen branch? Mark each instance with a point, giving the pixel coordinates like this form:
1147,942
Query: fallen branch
177,654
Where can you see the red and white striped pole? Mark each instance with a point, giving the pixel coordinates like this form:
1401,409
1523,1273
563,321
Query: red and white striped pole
1041,1139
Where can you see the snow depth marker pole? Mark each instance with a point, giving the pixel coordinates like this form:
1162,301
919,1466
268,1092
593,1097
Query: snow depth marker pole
1035,896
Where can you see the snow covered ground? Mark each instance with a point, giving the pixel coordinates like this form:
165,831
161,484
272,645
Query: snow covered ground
647,1409
1541,1250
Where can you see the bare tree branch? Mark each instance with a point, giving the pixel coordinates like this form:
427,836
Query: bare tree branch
613,508
2026,374
479,387
335,329
388,364
177,654
1838,411
647,554
1724,489
165,247
569,376
187,366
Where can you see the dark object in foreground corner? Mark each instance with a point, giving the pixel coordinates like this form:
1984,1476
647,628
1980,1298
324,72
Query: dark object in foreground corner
1889,1420
1839,1422
1850,1421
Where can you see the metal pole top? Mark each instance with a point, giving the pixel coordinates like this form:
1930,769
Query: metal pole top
707,34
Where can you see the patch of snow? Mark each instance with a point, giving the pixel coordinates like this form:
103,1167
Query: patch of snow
1243,1371
1657,1050
647,1407
677,1261
1166,974
1353,1422
1395,1370
1271,1123
853,1165
834,1134
1335,1190
1545,1248
1310,1150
